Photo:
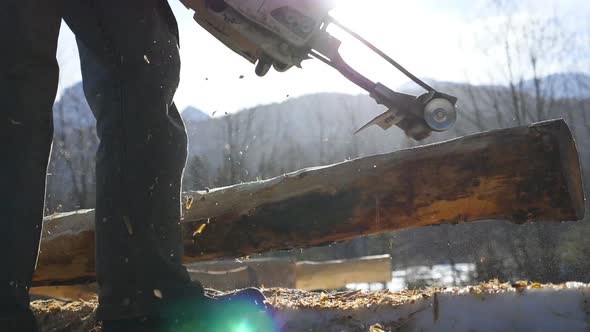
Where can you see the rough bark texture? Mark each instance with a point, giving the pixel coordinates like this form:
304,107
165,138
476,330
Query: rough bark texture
522,174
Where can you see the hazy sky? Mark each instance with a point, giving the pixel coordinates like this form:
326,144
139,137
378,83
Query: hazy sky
432,38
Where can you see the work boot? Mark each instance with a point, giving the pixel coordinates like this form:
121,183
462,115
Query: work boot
243,310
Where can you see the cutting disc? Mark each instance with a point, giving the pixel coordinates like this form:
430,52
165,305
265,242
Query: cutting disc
440,114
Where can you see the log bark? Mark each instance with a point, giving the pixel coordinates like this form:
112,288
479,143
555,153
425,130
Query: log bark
522,174
228,275
286,273
339,273
235,274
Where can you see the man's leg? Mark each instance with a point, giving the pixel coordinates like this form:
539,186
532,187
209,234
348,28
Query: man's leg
28,83
130,68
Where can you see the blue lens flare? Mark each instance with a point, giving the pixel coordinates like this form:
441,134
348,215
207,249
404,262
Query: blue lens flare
236,315
243,326
242,316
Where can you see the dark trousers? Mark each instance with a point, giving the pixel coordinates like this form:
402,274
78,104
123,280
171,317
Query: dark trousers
130,68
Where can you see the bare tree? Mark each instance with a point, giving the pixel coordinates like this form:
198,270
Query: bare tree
75,143
321,129
196,174
238,138
531,47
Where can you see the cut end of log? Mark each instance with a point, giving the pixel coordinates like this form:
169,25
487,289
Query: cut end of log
570,162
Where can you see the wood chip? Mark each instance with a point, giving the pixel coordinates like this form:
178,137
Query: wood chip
189,202
199,230
127,222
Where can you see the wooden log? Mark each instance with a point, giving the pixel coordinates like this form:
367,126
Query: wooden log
235,274
339,273
522,174
66,255
286,273
238,278
80,292
529,173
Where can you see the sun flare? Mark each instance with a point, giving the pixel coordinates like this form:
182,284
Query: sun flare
389,25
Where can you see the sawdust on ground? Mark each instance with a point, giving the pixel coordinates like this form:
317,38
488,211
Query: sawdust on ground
53,315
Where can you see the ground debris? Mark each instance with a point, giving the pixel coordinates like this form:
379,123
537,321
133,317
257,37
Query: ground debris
293,298
53,315
348,311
